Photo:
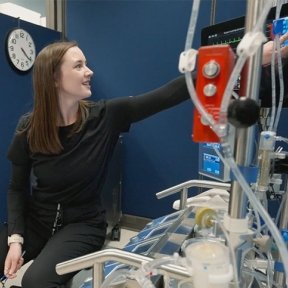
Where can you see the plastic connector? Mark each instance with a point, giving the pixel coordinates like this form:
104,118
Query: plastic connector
236,225
264,243
187,60
279,155
250,43
275,180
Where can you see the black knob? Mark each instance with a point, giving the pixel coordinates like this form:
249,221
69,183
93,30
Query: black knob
243,112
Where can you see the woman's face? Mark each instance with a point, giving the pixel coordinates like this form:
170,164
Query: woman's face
74,81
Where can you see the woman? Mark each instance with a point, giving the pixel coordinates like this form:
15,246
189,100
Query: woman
59,155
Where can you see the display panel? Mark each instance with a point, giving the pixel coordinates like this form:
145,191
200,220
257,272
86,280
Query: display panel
231,32
210,163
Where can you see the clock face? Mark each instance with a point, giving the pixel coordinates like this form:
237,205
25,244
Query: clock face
21,49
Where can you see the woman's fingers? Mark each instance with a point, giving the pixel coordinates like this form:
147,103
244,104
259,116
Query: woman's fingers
283,38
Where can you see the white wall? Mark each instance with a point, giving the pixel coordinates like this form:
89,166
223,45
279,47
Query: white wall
36,5
23,12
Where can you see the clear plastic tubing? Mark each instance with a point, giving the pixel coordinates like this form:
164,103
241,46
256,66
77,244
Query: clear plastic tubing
273,77
273,86
192,24
263,213
245,186
188,76
120,274
281,82
240,63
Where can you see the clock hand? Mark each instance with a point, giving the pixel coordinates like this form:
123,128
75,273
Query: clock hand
29,58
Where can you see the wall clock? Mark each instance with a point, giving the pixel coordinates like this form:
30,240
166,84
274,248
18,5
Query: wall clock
21,49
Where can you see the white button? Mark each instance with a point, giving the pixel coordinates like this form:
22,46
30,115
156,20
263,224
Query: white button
209,90
211,69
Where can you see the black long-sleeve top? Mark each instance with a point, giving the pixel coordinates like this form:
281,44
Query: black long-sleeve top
75,177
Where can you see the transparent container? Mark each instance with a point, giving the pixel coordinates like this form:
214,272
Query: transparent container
210,263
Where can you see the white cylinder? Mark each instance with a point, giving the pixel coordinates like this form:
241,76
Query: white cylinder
211,264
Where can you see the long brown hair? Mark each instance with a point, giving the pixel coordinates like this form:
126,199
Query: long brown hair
43,132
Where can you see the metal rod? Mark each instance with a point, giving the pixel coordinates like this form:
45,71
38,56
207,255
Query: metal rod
245,137
97,259
98,275
183,189
63,18
56,16
249,87
213,12
279,277
183,198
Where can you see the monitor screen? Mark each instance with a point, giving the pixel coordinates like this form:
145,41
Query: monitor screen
231,32
210,164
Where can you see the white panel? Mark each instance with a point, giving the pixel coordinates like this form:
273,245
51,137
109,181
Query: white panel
21,12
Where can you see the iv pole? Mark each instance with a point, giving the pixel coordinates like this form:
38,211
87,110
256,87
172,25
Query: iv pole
250,82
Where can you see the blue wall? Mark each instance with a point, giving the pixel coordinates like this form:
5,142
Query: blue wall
228,9
133,47
16,94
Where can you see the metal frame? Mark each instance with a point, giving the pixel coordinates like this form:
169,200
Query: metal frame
96,262
56,15
183,189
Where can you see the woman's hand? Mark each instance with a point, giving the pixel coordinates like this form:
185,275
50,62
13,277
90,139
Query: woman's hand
14,260
268,50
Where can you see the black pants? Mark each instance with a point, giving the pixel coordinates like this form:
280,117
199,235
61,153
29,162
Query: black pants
72,241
